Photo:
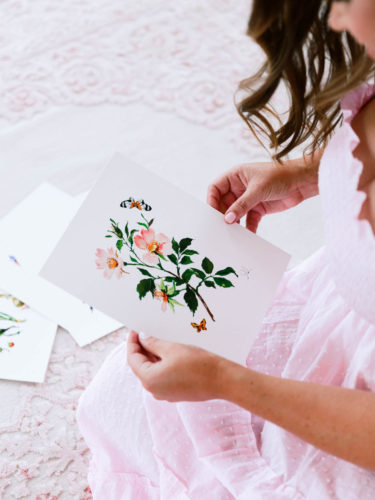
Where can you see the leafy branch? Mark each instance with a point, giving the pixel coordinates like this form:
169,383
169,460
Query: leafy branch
186,277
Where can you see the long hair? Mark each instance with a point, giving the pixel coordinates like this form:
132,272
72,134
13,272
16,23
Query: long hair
318,65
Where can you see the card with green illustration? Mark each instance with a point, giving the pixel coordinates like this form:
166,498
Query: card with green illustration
160,261
26,340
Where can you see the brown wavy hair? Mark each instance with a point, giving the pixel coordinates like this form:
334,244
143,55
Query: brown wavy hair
318,65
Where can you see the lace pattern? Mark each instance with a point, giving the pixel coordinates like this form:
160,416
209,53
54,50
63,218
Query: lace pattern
177,57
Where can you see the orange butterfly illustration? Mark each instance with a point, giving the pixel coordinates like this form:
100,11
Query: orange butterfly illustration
199,326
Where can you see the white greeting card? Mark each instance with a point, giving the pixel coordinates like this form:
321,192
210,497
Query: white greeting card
32,228
29,233
26,340
158,260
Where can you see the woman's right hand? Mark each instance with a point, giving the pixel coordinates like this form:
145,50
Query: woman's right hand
257,189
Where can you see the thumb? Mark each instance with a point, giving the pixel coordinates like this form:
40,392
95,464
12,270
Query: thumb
154,345
243,204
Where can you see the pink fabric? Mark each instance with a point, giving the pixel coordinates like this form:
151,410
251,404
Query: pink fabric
319,328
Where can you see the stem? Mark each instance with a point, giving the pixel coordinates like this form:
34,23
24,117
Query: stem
203,302
146,221
203,280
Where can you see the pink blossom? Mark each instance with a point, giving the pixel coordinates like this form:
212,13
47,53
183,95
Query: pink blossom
110,261
153,244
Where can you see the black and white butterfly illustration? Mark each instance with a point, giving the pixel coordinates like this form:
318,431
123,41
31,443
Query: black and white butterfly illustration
132,203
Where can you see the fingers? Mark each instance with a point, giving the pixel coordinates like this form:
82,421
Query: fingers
224,191
252,220
217,190
156,346
243,204
137,358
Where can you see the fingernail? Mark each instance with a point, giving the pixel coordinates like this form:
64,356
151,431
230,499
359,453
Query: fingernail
230,217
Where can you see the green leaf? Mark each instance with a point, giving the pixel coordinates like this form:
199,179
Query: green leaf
133,259
145,286
186,260
171,305
113,222
222,282
184,243
150,223
161,256
198,272
171,291
190,252
144,272
169,278
142,224
175,302
118,232
134,231
210,284
162,286
226,271
108,236
207,265
187,274
175,245
191,300
173,258
127,229
119,245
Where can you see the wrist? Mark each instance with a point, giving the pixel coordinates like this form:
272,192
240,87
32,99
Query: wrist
305,171
234,382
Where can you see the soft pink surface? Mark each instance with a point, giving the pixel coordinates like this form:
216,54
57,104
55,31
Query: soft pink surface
320,328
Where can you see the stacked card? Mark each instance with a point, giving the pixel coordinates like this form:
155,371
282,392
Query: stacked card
27,236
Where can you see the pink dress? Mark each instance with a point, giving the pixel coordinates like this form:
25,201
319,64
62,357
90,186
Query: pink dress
319,328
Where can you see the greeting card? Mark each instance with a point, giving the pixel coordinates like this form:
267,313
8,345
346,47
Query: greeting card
26,340
28,234
160,261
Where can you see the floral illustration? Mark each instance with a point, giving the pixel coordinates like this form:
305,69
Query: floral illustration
153,245
165,295
110,261
167,266
9,325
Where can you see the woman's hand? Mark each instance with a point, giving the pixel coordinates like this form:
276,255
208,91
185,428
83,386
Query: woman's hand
257,189
173,371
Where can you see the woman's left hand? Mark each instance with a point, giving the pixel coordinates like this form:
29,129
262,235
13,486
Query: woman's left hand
173,371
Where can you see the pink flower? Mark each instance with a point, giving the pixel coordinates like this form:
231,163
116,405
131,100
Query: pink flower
110,261
159,244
